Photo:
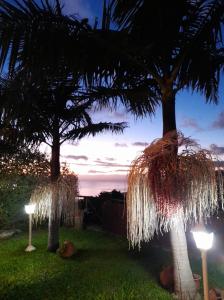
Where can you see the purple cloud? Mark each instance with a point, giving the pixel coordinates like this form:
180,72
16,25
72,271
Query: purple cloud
120,116
76,157
109,164
120,145
141,144
96,172
217,149
219,123
110,158
191,123
75,144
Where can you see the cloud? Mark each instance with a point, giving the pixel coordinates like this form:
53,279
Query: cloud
110,158
217,149
78,7
219,123
191,123
114,116
141,144
119,116
75,144
96,172
120,145
122,170
220,164
109,164
76,157
80,164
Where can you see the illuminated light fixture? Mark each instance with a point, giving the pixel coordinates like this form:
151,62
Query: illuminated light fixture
203,240
29,209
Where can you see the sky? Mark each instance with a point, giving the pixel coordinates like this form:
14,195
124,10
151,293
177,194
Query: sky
102,162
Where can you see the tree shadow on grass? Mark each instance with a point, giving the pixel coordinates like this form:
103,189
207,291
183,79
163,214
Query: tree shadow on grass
154,255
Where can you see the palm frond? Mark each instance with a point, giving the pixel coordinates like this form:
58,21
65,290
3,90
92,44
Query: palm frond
27,25
93,129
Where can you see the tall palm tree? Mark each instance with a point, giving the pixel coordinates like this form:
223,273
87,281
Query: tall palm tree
174,45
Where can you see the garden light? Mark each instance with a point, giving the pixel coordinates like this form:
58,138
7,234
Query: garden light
29,209
203,242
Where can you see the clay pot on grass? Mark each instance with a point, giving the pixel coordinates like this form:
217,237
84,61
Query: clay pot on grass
67,249
166,278
216,294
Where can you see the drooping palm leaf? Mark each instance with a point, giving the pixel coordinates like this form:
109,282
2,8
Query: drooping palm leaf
67,187
163,186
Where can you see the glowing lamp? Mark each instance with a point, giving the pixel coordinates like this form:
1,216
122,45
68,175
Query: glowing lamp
203,239
203,242
30,208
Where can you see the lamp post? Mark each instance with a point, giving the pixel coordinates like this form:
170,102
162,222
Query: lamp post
29,209
204,242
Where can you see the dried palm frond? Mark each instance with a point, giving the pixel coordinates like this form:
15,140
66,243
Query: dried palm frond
164,184
67,189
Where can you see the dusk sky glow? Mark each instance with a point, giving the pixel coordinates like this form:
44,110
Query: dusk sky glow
110,155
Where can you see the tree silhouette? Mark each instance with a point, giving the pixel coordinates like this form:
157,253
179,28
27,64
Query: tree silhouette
52,113
47,98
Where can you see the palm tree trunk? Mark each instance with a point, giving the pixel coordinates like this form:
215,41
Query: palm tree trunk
185,287
54,218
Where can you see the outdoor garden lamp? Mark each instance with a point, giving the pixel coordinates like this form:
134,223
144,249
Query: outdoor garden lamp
29,209
203,239
204,242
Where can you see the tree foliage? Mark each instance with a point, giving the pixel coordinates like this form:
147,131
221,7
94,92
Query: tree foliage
20,172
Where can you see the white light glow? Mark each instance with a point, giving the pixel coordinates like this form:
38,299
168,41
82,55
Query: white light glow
203,239
30,208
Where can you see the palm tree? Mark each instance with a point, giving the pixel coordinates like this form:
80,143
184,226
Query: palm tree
56,53
52,113
46,99
174,45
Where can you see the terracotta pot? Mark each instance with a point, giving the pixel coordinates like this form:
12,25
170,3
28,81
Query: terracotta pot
166,278
216,294
67,250
197,279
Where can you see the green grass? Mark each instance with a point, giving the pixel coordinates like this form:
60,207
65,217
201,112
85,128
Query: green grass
103,269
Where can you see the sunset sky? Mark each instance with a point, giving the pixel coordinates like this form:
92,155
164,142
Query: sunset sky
107,157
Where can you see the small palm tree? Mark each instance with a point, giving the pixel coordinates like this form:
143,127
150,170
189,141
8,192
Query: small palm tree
52,113
46,99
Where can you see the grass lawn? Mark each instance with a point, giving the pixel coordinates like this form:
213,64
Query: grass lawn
103,269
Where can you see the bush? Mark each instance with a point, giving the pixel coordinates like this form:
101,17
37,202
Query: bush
15,193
